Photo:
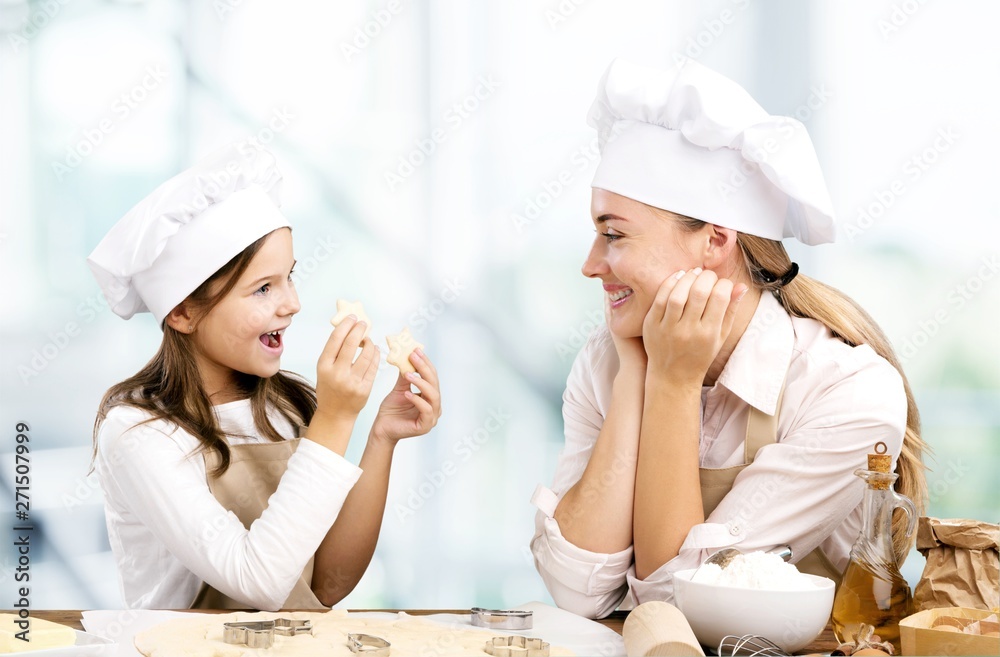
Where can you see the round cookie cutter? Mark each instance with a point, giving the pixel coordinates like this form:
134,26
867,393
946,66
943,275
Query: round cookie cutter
368,645
502,619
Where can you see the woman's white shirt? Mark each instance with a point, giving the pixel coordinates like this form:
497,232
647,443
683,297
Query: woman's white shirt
801,491
168,532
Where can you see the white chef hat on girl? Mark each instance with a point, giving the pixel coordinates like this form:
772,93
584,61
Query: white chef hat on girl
694,142
187,229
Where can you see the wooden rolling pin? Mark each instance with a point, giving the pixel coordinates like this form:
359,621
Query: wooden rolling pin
655,629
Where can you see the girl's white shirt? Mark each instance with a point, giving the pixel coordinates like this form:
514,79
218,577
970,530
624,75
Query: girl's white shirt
801,491
168,532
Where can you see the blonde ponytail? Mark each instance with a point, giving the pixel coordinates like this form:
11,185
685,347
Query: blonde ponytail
807,297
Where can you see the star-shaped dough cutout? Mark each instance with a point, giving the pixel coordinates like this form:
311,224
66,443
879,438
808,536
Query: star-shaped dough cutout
345,308
401,346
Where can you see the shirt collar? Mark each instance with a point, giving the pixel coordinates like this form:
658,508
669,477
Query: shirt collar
755,372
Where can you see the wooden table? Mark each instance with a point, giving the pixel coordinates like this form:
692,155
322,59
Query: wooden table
824,643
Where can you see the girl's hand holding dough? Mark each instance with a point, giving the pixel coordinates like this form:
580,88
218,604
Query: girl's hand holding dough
343,382
403,413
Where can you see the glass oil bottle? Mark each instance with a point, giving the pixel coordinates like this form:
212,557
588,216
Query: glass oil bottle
872,590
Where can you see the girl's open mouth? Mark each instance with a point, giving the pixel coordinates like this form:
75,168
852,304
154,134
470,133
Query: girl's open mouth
272,340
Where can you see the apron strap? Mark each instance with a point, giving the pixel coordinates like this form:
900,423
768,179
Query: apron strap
762,429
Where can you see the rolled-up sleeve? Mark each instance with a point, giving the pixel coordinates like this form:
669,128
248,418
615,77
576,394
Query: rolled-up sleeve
589,584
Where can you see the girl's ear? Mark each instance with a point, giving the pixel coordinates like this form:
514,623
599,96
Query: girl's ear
181,319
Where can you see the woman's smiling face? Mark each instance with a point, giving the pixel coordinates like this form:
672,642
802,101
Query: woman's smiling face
636,248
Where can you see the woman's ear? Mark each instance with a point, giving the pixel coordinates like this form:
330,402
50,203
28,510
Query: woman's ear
181,319
719,245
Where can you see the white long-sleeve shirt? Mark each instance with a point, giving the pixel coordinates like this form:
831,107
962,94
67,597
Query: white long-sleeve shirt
169,533
801,491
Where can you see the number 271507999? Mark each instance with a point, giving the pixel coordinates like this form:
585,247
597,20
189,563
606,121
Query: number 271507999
22,469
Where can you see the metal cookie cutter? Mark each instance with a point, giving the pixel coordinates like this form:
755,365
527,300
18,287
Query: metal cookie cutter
260,634
289,627
255,634
501,619
516,646
368,645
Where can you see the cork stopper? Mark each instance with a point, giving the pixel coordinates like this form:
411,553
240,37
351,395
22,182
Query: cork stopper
880,461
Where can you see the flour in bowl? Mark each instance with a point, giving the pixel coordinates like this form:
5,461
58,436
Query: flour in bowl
756,570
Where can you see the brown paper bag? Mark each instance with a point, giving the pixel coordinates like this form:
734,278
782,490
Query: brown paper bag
963,564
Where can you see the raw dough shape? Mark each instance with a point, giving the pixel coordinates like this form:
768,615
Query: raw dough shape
345,308
401,346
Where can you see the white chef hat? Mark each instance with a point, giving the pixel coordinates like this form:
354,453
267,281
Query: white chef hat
694,142
187,229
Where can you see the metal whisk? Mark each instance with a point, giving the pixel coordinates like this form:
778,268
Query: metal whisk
749,645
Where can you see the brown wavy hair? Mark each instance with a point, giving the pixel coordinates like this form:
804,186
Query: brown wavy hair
169,386
806,297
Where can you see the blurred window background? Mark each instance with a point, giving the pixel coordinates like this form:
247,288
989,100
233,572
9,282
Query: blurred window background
437,165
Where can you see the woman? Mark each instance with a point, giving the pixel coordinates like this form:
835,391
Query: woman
224,477
729,399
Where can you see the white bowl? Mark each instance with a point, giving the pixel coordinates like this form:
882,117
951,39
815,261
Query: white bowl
790,619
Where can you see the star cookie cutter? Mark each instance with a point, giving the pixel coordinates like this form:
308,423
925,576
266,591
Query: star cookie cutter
368,645
502,619
516,646
291,627
260,634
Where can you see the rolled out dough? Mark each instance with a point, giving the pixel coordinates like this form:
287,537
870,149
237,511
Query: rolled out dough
409,635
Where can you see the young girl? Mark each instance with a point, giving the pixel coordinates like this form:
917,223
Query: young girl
224,479
730,399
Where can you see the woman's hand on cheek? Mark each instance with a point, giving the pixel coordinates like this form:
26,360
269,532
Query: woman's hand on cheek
403,413
631,352
688,322
343,382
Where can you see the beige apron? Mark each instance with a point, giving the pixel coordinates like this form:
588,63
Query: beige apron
253,476
762,429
